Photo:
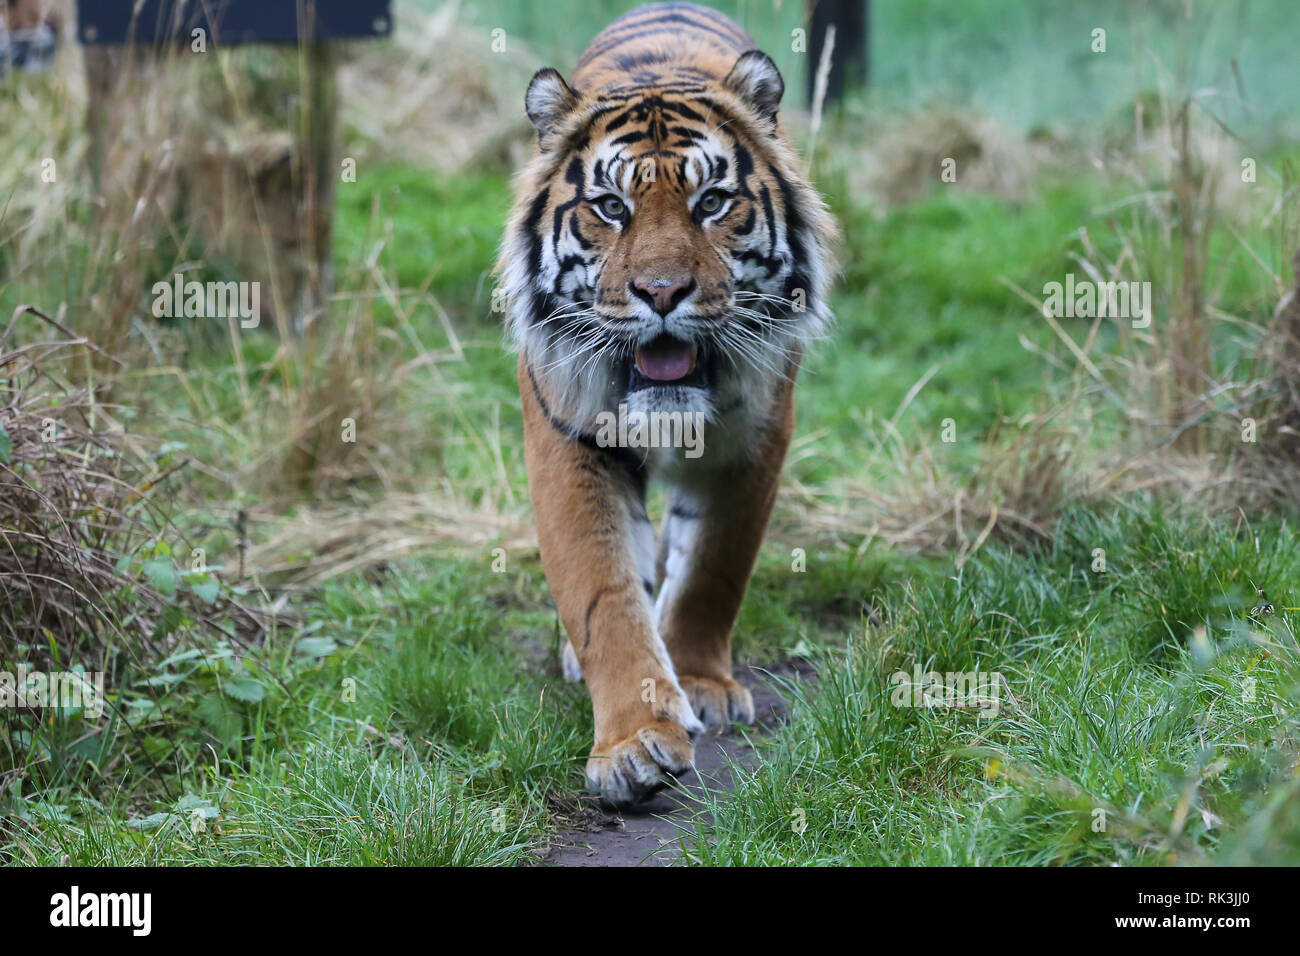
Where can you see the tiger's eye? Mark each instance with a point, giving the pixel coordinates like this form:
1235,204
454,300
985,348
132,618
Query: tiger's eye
613,207
710,203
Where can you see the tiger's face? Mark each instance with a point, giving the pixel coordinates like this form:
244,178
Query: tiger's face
669,254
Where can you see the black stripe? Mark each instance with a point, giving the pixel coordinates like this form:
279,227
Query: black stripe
530,227
636,467
574,176
682,110
635,61
567,265
579,138
539,304
619,121
664,24
621,92
660,12
746,228
771,220
744,168
583,242
771,264
794,226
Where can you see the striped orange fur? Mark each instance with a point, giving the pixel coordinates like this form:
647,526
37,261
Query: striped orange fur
666,261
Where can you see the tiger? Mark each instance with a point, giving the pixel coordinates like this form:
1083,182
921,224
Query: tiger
665,256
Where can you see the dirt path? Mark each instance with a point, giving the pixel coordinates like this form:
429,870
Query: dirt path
649,836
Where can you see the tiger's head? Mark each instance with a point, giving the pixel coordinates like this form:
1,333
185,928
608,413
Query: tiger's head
665,249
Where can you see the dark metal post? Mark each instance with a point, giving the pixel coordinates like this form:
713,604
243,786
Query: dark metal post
849,58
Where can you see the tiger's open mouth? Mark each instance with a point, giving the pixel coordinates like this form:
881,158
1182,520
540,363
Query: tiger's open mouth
666,359
669,362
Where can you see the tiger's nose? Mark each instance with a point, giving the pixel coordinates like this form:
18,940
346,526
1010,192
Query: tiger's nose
662,295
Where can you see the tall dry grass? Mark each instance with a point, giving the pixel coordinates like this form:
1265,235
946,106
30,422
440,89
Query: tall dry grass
1028,472
1201,389
1182,389
182,164
203,148
83,504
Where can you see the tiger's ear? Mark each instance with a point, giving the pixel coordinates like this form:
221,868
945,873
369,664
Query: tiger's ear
547,101
757,81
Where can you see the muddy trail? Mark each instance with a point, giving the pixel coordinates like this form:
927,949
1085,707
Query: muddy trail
650,835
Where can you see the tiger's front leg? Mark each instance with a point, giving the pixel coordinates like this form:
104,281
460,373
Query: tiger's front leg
597,547
714,527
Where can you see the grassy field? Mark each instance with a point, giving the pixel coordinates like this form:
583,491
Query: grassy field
988,55
407,708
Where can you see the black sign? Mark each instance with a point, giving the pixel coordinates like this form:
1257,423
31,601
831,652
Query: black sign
231,22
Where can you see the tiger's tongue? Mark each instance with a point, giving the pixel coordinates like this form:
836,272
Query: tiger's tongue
665,360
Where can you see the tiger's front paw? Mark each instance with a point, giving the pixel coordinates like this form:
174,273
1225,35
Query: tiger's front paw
629,770
718,701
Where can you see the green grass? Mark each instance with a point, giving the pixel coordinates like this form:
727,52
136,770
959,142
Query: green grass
413,713
416,715
330,803
993,55
422,721
941,259
437,232
402,725
1120,737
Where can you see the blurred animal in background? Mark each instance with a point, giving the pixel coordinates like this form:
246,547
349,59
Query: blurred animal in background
29,36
